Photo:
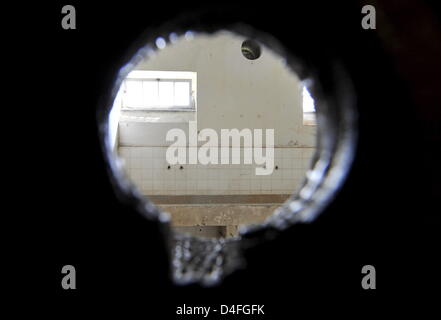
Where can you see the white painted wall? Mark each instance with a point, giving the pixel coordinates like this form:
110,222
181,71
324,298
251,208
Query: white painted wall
233,92
148,170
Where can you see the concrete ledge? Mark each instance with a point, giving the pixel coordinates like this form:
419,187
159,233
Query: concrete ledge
218,215
220,199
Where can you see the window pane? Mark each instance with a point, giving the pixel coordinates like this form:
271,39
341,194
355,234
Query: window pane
166,93
182,94
308,102
133,95
151,94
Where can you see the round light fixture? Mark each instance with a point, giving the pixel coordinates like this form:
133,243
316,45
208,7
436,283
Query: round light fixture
251,49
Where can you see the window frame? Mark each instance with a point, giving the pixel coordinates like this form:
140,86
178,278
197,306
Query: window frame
309,118
170,76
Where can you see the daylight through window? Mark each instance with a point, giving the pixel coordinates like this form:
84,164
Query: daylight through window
309,118
159,90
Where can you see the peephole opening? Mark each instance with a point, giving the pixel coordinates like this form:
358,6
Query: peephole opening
217,141
226,146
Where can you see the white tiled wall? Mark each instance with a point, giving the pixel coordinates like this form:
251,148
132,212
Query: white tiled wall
148,169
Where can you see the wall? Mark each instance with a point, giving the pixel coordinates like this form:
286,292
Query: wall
148,169
233,92
114,117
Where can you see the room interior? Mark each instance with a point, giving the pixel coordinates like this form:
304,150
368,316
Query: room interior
219,81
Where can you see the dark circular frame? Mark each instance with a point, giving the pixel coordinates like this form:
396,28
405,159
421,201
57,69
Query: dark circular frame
330,85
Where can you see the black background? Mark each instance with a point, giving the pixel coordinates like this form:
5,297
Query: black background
386,215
